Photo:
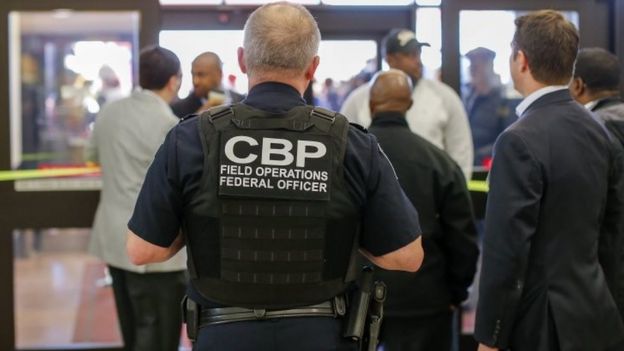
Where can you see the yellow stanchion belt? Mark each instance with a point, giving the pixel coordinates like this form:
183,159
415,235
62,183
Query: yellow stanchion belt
473,185
480,186
46,173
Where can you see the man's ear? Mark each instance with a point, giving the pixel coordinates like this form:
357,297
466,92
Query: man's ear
411,103
523,61
241,60
390,60
311,70
577,87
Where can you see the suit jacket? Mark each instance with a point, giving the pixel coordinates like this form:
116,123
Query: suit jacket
436,186
556,185
192,103
611,111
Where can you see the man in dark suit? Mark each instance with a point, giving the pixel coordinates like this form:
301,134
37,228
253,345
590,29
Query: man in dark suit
419,307
596,85
207,92
556,186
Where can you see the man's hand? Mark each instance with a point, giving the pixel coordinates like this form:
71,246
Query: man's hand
486,348
214,100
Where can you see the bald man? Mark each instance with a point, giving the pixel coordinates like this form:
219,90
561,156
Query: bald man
207,91
419,308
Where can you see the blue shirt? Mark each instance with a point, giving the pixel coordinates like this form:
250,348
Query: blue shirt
389,221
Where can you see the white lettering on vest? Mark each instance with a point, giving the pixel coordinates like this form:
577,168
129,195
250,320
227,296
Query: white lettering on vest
229,149
276,152
268,151
302,153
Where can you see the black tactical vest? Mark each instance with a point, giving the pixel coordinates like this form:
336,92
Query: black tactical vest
273,224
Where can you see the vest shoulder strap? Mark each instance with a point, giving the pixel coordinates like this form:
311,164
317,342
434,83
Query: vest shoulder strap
323,118
219,116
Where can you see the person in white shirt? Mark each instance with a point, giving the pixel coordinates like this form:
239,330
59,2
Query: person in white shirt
437,113
126,135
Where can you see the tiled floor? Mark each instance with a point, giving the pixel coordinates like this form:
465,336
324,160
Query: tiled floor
57,299
62,298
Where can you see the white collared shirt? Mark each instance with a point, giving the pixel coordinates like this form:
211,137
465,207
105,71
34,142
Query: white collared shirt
590,105
531,98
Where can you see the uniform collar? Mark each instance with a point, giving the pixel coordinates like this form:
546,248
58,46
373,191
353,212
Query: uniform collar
389,118
274,97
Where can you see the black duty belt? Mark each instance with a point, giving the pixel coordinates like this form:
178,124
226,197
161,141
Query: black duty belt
211,316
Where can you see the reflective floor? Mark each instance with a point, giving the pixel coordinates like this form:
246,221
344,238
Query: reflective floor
63,296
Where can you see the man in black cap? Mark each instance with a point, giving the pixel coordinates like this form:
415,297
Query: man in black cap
437,115
596,85
489,110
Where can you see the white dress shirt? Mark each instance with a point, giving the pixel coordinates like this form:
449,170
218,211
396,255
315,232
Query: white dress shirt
531,98
437,115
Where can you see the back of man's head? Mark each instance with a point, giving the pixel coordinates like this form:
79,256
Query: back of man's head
280,37
390,91
156,67
599,69
550,44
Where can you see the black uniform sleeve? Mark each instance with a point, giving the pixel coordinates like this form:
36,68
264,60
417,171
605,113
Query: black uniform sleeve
156,216
389,220
460,235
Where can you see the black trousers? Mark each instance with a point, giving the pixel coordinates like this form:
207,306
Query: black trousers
287,334
432,333
148,307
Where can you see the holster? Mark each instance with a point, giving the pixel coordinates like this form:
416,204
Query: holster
355,322
376,315
190,315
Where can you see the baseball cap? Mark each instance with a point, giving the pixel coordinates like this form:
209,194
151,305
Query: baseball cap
401,40
481,53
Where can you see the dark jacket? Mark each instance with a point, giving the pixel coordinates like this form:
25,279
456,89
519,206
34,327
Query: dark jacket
611,112
489,115
186,106
192,103
435,184
556,185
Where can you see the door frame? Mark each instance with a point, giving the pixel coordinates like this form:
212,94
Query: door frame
590,11
46,209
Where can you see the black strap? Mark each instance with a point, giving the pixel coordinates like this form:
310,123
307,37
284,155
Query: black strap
212,316
323,118
220,116
272,123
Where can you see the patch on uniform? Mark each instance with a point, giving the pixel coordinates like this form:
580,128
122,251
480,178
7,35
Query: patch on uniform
275,165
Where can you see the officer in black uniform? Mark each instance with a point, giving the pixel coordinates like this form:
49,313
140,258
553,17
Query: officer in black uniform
273,199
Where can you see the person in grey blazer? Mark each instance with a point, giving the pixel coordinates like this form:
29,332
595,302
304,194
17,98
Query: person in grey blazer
556,186
126,135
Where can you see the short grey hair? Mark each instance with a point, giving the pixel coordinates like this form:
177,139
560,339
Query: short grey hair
280,36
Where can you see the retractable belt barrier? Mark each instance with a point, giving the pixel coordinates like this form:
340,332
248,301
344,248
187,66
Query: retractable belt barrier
23,174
